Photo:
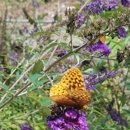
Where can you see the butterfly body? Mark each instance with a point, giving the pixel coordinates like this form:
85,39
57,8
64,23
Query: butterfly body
71,91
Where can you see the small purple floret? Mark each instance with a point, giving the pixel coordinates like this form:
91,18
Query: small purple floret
14,58
122,32
80,20
35,3
26,126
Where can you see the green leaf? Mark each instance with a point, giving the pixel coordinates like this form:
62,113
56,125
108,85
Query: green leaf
98,85
100,64
50,46
63,45
46,111
46,101
34,78
77,6
127,112
41,33
77,57
127,40
123,99
116,65
40,92
127,84
42,81
4,87
108,14
38,67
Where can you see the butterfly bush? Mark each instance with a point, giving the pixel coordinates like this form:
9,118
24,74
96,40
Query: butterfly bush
122,32
99,47
125,3
96,7
62,52
34,30
25,29
80,20
99,6
14,58
102,48
92,79
115,116
67,119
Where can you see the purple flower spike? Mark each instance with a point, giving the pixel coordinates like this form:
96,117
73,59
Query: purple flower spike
105,50
26,126
99,6
94,8
61,52
14,58
35,29
35,3
25,29
109,4
100,48
123,122
122,32
92,79
115,116
80,20
125,3
68,120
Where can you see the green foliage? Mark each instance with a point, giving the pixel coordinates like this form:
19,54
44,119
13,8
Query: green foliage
38,67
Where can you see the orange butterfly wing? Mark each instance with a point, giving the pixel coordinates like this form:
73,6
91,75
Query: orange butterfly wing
71,90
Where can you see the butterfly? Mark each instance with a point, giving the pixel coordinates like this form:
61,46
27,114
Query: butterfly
71,91
103,39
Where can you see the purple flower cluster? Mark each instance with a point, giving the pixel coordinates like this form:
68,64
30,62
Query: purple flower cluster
68,119
122,32
99,6
109,4
96,7
26,126
92,79
125,3
35,29
99,47
60,52
25,29
35,3
14,58
115,116
80,20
